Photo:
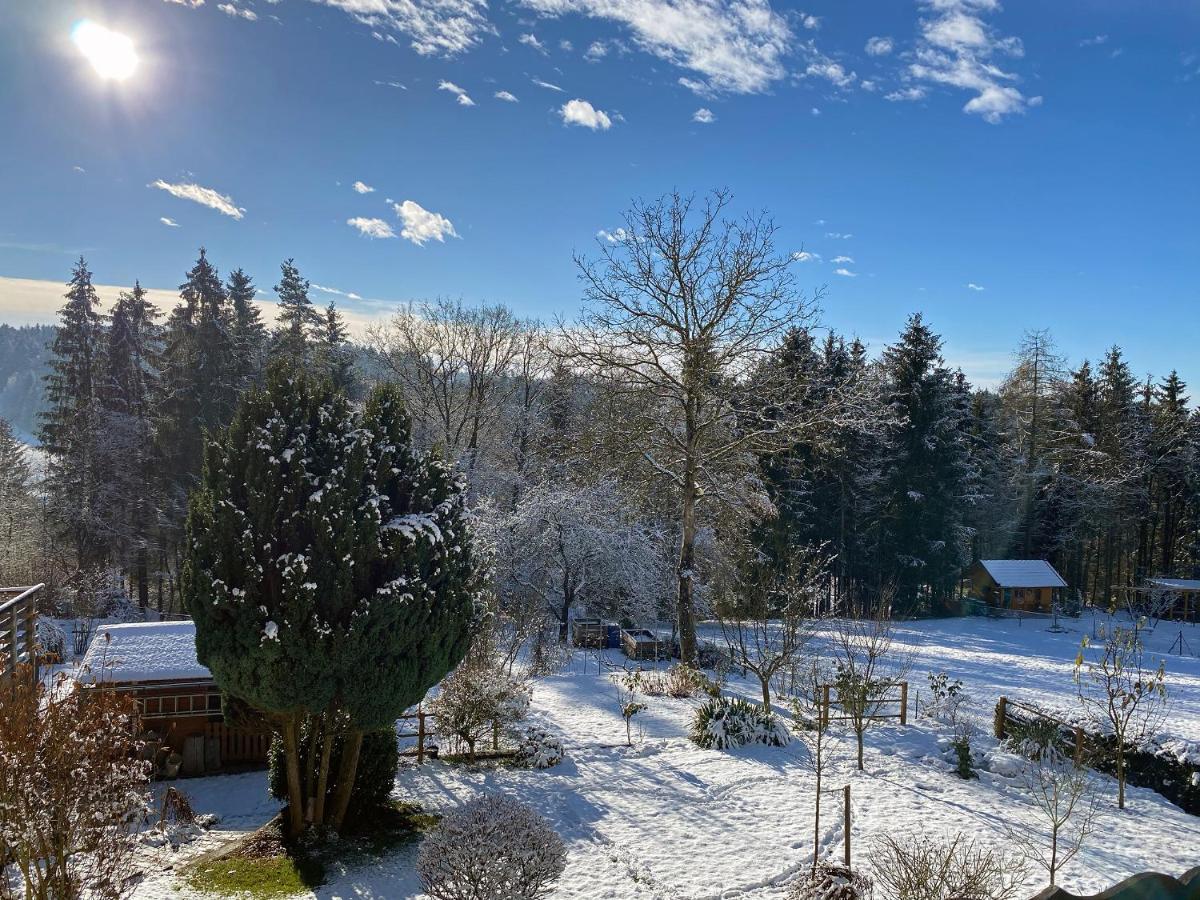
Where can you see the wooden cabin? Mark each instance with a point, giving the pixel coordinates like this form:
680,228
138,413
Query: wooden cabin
641,643
1182,595
180,704
589,633
1031,585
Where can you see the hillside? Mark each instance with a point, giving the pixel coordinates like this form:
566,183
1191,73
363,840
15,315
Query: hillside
24,358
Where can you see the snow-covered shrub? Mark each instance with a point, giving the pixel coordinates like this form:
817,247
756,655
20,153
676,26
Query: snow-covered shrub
72,789
964,753
725,722
679,681
492,848
52,639
831,882
947,697
539,749
925,868
476,698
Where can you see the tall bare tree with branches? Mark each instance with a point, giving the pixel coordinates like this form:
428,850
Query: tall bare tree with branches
685,307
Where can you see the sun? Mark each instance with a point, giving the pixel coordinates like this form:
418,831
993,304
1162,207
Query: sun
111,54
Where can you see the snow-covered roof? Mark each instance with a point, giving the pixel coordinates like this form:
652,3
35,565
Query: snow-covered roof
144,651
1022,573
1176,584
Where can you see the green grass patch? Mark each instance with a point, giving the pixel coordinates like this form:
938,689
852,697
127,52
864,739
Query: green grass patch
269,876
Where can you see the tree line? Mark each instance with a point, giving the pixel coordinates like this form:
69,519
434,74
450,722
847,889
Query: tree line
692,431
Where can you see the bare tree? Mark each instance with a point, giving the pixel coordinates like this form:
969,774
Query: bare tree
767,615
868,668
925,868
684,307
812,728
1121,693
1063,794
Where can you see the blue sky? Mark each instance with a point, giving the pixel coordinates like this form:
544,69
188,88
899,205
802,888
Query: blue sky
999,167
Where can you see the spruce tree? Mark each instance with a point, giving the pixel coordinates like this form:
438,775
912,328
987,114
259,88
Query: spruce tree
16,507
70,422
335,356
297,321
331,572
249,333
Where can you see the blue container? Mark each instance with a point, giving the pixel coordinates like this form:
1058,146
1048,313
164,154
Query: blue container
612,634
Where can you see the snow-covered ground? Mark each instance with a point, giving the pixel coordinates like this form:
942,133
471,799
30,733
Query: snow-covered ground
667,819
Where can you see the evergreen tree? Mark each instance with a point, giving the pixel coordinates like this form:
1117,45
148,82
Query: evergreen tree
335,356
16,507
70,421
128,394
249,333
298,321
928,479
331,572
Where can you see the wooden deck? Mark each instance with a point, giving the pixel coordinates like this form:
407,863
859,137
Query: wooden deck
18,628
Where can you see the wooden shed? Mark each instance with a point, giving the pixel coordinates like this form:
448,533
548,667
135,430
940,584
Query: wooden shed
640,643
589,633
1181,596
180,704
1031,585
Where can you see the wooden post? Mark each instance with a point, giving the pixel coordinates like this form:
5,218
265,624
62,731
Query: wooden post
1001,714
846,825
495,737
1078,745
904,703
14,649
824,715
420,736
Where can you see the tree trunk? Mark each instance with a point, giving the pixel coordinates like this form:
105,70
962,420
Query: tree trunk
859,735
766,691
291,751
687,559
1120,776
351,745
143,579
323,773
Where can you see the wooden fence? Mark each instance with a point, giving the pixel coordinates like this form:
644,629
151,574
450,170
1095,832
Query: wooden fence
18,629
424,731
1005,720
874,704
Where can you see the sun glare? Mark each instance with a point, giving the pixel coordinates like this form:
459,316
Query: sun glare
110,53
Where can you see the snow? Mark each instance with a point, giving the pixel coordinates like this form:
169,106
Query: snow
1176,584
1022,573
666,819
144,651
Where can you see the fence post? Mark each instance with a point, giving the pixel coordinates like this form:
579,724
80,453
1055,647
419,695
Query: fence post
1078,745
14,649
495,737
824,716
1001,714
420,736
904,703
846,825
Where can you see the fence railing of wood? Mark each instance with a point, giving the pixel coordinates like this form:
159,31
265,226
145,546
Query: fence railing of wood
873,705
18,628
1005,720
424,731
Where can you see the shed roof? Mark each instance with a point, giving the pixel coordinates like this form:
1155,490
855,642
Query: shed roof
1175,584
1022,573
144,652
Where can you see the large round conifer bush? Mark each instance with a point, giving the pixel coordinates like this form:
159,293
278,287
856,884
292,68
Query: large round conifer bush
330,574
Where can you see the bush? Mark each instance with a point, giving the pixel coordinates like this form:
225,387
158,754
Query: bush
477,697
493,848
831,882
539,749
373,780
680,681
964,754
725,722
923,868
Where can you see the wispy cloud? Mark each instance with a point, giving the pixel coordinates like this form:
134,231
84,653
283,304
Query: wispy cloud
734,46
360,188
421,225
843,259
612,237
349,295
506,97
392,84
704,116
833,72
879,46
596,51
805,256
845,273
812,23
546,84
905,94
1094,41
434,27
838,235
222,203
531,40
170,223
580,112
193,4
463,98
80,169
974,287
372,228
238,12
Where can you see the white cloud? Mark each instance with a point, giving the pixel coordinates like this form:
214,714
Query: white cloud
975,287
372,228
1094,41
845,273
833,72
421,225
392,84
805,256
614,236
958,48
435,27
170,223
734,46
193,4
843,259
222,203
506,97
812,23
596,51
80,169
909,93
459,93
815,111
349,295
565,45
704,116
838,236
879,46
360,188
546,84
230,10
530,40
580,112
